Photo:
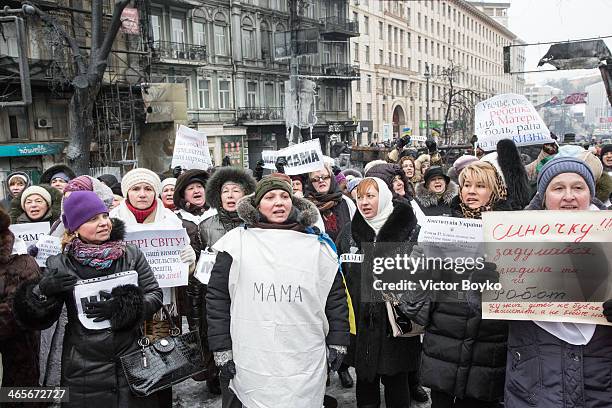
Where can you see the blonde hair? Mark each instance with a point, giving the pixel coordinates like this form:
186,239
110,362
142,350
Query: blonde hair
326,168
67,238
365,184
483,172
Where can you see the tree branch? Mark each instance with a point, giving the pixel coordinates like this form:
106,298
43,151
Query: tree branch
109,38
72,43
96,26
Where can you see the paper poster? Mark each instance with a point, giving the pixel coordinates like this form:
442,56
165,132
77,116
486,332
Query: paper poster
88,290
30,233
205,265
450,237
509,116
554,265
47,246
301,158
191,150
162,247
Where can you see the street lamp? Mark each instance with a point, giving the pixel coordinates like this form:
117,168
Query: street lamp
427,76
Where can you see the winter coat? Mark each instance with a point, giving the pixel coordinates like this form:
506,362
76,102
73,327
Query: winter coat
431,204
603,187
18,215
376,351
90,360
161,216
218,297
463,355
18,345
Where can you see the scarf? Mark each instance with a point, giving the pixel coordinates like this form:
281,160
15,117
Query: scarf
325,202
290,223
385,206
229,219
97,256
499,193
171,206
141,215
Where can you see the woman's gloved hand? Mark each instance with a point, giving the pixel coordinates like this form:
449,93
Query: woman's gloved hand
335,355
225,361
55,283
188,256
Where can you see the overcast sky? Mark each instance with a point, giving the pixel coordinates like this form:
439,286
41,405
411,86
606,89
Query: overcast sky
558,20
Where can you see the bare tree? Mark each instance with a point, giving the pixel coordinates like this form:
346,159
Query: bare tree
89,73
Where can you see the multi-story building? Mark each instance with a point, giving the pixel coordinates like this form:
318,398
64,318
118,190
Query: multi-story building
598,112
402,40
538,94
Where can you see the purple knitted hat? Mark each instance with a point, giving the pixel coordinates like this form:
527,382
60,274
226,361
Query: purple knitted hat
80,207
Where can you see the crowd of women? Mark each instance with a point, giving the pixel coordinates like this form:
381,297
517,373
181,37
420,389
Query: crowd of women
278,316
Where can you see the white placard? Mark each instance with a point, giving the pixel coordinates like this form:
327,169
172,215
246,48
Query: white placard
88,290
162,247
47,246
30,233
205,265
451,237
509,116
191,149
301,158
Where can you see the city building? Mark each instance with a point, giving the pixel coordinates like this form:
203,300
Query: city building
400,41
538,94
598,112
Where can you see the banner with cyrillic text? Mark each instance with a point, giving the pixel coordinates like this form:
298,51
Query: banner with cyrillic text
191,150
554,266
162,247
301,158
30,233
47,246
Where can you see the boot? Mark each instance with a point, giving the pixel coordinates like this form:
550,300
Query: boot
418,394
345,378
214,387
330,402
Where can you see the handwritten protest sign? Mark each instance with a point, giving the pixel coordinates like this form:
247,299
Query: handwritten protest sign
509,116
88,290
450,237
47,246
30,233
162,247
301,158
191,149
554,266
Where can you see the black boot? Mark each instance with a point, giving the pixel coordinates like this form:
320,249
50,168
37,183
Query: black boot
330,402
214,387
418,394
345,377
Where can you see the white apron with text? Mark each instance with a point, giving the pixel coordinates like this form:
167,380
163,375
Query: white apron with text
279,282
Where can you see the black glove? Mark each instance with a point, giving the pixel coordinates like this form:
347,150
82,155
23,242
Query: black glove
33,250
259,169
55,283
335,355
280,164
224,360
401,142
124,307
226,161
176,172
102,310
488,273
607,310
336,170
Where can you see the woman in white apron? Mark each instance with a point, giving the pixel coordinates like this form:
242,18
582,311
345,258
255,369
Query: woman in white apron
277,310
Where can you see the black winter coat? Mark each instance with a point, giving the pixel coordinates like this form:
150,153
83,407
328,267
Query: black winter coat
376,350
90,359
429,202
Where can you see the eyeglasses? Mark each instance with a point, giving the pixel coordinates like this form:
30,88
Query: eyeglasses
319,179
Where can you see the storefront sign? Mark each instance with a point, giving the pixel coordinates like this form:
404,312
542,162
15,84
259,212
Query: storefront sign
30,149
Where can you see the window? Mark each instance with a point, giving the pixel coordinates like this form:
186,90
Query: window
13,127
156,27
341,100
224,94
367,54
178,30
329,99
390,59
248,39
369,111
369,84
220,40
355,16
251,94
356,56
380,30
358,111
282,95
199,34
419,43
266,41
384,111
380,57
425,46
366,25
358,85
204,93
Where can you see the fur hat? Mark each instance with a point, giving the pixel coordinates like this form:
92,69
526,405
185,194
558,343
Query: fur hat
435,171
463,161
185,179
223,175
36,190
140,175
52,171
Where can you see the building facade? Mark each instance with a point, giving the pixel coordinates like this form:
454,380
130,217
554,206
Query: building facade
401,40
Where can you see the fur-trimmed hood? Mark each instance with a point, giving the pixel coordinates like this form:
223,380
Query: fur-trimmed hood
221,176
398,227
18,214
429,199
308,214
45,178
118,231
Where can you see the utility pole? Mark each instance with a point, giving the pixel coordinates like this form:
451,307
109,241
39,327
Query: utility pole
427,76
294,26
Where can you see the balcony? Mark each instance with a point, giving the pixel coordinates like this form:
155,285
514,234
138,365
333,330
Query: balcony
261,115
339,27
212,116
332,116
179,53
346,72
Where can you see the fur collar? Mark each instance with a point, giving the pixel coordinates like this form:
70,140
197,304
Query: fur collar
398,227
118,231
307,211
429,199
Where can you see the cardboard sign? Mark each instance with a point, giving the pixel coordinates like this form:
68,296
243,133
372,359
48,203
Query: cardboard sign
509,116
162,247
554,266
191,150
47,246
30,233
301,158
88,290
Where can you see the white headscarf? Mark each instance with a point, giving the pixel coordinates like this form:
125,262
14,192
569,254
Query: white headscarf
385,206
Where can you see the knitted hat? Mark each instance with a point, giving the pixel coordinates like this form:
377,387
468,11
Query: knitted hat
463,161
36,190
170,181
80,207
20,175
340,178
140,175
81,183
560,165
435,171
61,175
275,181
353,183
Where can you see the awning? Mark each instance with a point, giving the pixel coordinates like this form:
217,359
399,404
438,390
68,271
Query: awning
30,149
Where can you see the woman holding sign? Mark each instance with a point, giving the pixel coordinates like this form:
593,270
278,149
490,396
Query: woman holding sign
103,324
555,364
277,309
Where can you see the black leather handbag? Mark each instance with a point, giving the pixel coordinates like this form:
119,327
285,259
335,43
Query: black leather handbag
163,362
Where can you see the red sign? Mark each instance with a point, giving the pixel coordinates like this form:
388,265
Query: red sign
130,21
605,120
575,98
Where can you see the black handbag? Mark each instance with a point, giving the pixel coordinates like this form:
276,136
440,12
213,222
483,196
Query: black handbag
164,362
